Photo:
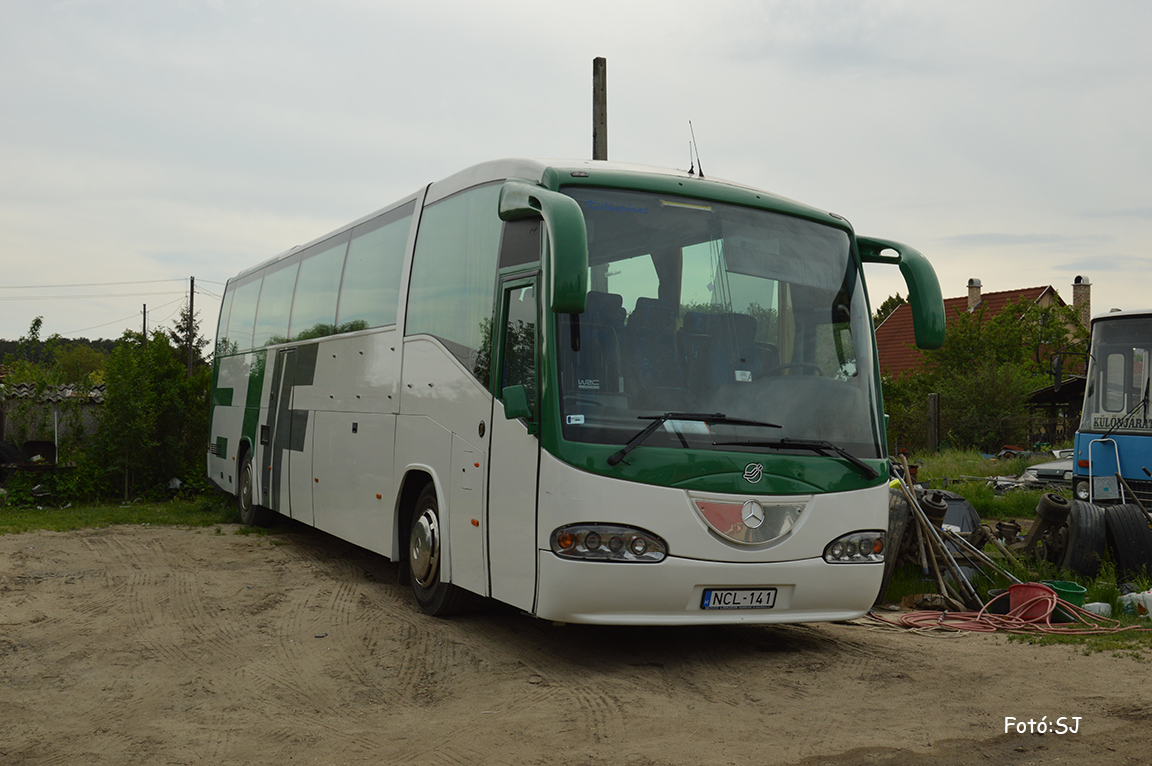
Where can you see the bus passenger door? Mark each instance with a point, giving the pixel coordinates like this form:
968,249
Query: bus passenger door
287,474
514,451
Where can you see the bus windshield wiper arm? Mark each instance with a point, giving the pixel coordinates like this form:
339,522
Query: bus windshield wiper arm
818,447
659,420
1142,404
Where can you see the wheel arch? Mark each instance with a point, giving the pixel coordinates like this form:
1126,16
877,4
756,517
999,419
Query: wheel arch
243,449
416,478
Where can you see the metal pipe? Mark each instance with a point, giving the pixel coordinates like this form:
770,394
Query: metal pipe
962,583
980,554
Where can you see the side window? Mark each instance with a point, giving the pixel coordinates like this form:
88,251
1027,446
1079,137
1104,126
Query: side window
1114,383
242,317
519,353
370,291
520,243
223,347
454,272
275,306
314,304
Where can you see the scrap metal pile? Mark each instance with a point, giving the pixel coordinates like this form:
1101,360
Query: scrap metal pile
941,534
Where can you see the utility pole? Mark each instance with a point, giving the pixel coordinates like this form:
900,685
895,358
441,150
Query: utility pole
144,325
191,324
599,108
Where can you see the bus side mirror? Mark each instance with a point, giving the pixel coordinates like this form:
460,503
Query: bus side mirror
566,263
1058,373
516,405
923,287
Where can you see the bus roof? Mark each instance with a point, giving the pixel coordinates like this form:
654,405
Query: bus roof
555,172
1125,314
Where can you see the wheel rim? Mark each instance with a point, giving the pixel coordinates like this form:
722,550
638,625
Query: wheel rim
424,552
246,488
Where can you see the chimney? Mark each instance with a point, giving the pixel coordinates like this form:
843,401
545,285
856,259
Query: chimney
1082,299
973,294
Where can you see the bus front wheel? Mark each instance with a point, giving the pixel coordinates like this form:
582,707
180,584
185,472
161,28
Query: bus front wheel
425,551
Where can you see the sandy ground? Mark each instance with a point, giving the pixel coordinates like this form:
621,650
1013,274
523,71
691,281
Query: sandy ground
141,645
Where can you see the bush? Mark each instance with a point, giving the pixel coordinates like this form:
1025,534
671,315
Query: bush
155,420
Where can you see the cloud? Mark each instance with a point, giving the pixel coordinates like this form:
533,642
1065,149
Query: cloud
1001,239
1108,263
1135,212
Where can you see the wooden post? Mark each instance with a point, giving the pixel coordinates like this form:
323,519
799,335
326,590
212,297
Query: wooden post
191,323
934,422
599,108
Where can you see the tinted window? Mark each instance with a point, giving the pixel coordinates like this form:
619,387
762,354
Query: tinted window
243,315
275,305
222,346
314,307
371,286
454,271
521,242
520,341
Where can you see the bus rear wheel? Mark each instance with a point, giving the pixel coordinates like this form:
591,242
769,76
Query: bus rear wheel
251,515
425,550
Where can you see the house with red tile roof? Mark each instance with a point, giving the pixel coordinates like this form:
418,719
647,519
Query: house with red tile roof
896,340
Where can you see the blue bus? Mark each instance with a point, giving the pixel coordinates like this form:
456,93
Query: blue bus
1113,448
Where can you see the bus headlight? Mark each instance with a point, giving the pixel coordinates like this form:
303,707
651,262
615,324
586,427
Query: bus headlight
608,542
856,548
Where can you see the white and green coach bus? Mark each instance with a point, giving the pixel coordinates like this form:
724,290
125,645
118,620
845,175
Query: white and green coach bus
598,392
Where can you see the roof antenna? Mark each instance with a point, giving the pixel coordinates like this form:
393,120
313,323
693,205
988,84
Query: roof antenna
699,164
691,162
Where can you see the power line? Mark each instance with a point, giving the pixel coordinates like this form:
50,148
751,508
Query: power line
131,318
90,284
88,296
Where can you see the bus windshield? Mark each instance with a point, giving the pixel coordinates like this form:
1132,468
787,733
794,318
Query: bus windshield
1116,399
703,307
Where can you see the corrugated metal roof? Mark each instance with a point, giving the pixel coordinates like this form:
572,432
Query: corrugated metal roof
69,392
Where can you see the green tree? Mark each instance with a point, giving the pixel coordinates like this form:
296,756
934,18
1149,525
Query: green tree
79,363
984,374
155,421
185,334
890,304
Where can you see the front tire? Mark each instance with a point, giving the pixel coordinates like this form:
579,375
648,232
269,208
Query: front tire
425,556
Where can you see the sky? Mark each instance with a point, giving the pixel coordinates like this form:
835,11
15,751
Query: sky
144,143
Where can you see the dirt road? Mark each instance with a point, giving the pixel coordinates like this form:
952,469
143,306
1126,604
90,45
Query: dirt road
142,645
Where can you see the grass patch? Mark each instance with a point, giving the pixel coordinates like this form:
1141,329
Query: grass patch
966,472
990,504
962,465
204,511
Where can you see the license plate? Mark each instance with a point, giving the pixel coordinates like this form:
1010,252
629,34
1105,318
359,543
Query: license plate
738,598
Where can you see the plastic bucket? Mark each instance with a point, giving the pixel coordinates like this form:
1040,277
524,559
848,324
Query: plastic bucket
1071,592
997,604
1021,593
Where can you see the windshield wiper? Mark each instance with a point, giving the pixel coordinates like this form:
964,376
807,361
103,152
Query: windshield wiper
659,420
820,448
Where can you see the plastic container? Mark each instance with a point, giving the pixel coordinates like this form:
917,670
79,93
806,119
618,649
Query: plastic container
996,604
1100,608
1022,593
1071,592
1138,603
